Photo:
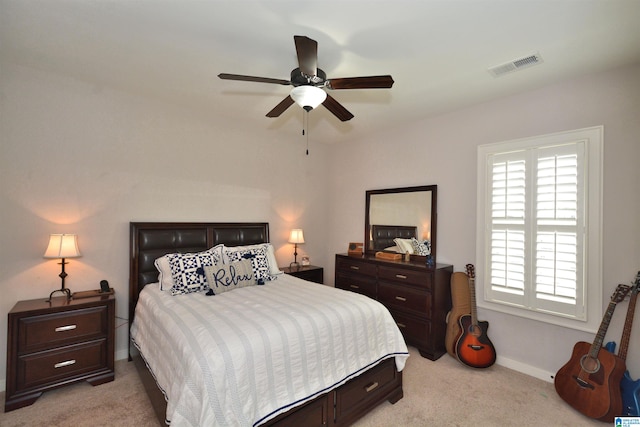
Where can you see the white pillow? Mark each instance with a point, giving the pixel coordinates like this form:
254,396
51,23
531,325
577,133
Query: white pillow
404,245
393,249
164,272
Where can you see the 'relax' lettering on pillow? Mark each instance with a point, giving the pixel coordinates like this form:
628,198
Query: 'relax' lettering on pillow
227,277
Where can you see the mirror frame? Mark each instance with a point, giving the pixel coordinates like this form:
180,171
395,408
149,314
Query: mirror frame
434,214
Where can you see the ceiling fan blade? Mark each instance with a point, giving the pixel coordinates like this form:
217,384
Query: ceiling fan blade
337,109
226,76
281,107
307,50
371,82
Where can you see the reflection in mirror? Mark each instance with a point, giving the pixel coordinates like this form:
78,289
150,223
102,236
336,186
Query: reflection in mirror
400,213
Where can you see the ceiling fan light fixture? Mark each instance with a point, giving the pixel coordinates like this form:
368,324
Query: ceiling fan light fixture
308,97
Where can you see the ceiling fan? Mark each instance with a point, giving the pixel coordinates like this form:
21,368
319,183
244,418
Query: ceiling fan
309,82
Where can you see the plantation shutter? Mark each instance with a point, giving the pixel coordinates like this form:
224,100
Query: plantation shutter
536,232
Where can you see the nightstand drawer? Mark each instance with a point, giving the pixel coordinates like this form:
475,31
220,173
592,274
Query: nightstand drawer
52,330
45,367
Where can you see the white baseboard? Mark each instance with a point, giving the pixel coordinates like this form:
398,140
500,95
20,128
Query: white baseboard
526,369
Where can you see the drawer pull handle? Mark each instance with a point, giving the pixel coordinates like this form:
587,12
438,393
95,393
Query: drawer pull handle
371,387
399,298
401,325
65,328
354,286
401,276
65,363
354,267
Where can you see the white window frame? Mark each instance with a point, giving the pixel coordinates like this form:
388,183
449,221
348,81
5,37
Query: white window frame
588,313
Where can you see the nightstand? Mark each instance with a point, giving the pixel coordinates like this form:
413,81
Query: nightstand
58,343
311,273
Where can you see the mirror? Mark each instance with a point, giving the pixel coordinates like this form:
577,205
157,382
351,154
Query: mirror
400,212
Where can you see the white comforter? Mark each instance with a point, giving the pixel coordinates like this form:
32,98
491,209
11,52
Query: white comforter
245,356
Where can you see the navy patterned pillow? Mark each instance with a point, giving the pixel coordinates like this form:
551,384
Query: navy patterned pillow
259,261
223,278
421,247
188,273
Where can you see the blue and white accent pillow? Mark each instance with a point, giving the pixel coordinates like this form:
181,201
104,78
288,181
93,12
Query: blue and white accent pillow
166,271
187,270
227,277
421,247
258,258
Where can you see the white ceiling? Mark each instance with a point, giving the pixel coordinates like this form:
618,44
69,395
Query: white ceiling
438,52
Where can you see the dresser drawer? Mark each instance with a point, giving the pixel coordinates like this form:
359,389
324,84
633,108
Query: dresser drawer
45,367
355,266
52,330
416,331
405,275
404,298
360,284
368,387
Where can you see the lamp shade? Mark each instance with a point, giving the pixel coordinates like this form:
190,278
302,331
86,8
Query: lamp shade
308,97
296,236
62,246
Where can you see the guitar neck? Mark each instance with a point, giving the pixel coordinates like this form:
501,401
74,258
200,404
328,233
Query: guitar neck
628,322
472,299
604,325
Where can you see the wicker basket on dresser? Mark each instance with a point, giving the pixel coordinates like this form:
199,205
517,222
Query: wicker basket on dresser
418,297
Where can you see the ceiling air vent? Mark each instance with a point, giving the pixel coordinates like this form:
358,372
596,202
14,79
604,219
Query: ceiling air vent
515,65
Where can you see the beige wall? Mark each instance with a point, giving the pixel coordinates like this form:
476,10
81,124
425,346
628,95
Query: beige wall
442,151
83,159
79,159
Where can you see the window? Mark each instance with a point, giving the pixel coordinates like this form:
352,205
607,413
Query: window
539,228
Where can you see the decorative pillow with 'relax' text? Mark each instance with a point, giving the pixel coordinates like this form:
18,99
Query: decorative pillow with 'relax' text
227,277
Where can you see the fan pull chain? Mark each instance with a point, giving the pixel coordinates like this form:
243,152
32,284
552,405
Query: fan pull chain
305,124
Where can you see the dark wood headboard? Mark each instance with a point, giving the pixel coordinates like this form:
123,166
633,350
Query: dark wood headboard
151,240
383,235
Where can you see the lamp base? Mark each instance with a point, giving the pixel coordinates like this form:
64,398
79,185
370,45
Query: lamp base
295,265
65,291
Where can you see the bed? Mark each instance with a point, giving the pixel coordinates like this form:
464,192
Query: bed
300,395
383,235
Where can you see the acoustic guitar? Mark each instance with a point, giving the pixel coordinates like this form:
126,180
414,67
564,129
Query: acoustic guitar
590,380
629,388
473,347
460,305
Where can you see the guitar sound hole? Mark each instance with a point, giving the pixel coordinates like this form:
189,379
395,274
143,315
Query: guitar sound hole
589,364
475,330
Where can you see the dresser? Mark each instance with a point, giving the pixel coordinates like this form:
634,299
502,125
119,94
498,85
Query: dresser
51,344
418,297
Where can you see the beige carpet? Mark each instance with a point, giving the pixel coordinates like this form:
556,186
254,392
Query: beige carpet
441,393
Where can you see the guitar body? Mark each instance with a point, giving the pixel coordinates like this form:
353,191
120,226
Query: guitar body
474,348
596,395
460,305
630,390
